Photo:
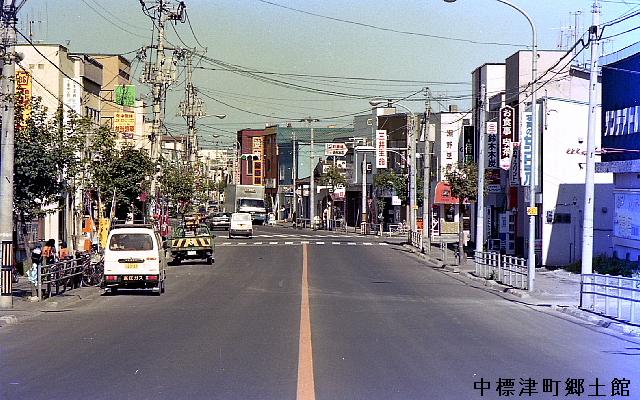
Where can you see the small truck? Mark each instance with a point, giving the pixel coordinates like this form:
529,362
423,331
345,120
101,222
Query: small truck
189,242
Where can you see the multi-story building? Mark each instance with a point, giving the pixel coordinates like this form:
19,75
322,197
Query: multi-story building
70,83
562,122
621,148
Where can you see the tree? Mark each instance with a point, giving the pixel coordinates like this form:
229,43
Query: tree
333,177
124,171
46,158
178,184
463,181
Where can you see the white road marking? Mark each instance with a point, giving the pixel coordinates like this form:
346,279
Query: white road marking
336,243
273,242
319,242
288,242
351,243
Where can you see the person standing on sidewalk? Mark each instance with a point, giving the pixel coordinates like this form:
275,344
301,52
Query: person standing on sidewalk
49,251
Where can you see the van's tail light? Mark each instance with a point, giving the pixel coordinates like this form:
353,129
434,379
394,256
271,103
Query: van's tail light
151,258
152,277
111,278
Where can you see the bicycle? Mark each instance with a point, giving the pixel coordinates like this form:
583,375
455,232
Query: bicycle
93,272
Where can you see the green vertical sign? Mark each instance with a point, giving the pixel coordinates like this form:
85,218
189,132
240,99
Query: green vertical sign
126,95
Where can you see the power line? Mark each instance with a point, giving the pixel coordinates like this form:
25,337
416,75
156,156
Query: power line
111,22
389,29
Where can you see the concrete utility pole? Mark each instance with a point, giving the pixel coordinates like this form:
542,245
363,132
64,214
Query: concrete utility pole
8,20
294,176
411,142
426,175
312,167
191,108
589,184
159,74
481,166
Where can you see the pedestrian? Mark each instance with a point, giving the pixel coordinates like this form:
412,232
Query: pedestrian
64,253
36,259
49,251
325,218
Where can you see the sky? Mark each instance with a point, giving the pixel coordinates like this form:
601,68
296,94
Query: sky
323,59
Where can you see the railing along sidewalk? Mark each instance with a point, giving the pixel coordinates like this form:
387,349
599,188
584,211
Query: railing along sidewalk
612,296
61,276
508,270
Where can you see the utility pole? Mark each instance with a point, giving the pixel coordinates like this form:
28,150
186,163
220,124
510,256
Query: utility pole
589,184
481,165
426,172
312,167
294,176
411,139
159,74
8,20
191,108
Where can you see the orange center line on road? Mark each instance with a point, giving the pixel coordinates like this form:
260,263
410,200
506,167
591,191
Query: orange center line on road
306,386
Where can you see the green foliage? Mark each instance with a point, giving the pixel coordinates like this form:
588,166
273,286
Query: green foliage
124,170
178,183
47,157
388,179
333,177
606,265
464,181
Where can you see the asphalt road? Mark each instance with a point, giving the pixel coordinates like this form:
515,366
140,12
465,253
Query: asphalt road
382,325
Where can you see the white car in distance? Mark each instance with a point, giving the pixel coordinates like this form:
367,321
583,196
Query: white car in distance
240,225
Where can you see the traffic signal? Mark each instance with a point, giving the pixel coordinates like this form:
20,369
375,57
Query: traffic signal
250,157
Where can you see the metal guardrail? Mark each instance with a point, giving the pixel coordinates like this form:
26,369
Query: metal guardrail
612,296
415,237
508,270
61,276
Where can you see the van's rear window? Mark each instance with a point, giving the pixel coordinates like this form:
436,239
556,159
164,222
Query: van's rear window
131,242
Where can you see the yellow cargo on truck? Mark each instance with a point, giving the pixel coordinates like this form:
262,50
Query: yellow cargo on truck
189,242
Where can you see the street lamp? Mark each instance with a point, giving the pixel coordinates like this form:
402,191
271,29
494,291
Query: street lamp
411,142
531,265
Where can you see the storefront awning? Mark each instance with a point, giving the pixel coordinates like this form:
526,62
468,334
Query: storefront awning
443,194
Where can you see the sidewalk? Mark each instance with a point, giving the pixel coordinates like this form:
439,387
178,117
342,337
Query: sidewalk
558,290
27,306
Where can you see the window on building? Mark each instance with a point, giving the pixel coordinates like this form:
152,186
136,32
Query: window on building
449,213
249,167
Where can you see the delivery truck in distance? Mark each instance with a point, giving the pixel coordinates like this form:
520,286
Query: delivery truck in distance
247,199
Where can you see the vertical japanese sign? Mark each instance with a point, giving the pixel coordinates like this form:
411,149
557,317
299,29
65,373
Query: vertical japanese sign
381,149
526,149
468,147
506,137
257,150
24,92
514,171
72,97
492,145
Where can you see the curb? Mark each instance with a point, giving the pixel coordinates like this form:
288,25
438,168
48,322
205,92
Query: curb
572,311
32,309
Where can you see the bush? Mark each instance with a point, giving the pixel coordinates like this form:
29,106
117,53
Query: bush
606,265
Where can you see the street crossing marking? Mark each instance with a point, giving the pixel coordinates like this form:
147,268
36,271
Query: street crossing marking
245,244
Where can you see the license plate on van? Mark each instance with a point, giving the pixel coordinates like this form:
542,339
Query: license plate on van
133,278
131,265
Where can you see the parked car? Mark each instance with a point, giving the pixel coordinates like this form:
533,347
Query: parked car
240,224
219,220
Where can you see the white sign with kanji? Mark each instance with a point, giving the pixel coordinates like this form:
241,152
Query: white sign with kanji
381,149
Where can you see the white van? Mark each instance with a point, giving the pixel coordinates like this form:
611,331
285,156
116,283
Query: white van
134,258
240,224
